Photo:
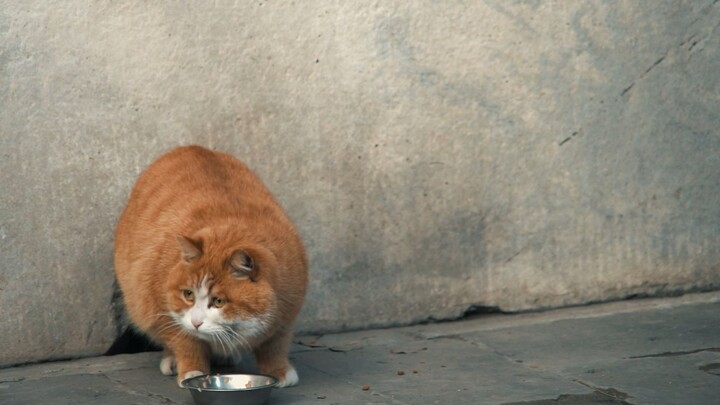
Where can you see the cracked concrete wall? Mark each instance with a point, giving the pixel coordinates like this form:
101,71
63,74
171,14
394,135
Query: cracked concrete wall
435,155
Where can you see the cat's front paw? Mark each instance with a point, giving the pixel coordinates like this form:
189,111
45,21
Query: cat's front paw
168,366
291,378
189,374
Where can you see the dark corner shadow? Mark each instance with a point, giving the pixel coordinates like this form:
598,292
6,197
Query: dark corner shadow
131,342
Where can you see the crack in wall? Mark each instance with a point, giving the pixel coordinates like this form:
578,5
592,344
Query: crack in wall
642,76
693,43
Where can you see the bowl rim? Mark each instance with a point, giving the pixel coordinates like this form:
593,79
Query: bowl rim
186,381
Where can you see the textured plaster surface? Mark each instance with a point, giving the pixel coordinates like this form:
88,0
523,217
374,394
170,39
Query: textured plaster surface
434,155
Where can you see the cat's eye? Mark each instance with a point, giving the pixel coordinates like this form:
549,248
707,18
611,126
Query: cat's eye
219,302
188,295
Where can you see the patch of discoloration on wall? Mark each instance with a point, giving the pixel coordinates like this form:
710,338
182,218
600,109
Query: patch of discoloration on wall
434,155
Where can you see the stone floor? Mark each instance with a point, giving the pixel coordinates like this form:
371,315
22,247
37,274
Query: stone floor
652,351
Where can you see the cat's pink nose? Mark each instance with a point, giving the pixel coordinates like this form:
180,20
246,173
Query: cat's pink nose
196,324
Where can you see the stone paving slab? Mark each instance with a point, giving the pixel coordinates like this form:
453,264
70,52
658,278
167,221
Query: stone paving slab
638,352
661,380
621,336
435,371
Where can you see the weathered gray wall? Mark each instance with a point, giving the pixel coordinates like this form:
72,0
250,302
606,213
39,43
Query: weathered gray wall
434,155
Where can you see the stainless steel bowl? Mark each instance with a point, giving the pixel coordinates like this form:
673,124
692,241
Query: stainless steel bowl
225,389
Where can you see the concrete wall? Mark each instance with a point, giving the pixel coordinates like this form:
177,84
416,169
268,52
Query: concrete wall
434,154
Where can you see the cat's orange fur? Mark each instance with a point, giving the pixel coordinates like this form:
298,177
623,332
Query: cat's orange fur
203,240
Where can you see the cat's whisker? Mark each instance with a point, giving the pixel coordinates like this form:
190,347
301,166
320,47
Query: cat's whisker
238,338
167,322
162,323
156,317
227,338
230,336
221,339
233,347
168,325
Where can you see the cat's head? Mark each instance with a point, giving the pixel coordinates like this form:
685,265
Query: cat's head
221,290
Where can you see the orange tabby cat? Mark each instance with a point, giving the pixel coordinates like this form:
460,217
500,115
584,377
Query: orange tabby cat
210,265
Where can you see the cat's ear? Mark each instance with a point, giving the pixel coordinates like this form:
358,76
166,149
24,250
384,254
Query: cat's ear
242,265
190,249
